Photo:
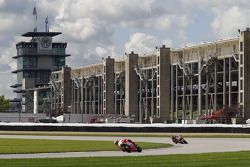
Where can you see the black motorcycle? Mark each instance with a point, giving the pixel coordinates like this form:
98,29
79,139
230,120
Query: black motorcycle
178,139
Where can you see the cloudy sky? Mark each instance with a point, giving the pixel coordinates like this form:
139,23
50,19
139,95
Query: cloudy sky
99,28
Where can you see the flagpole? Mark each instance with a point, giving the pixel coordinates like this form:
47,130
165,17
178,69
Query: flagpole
35,19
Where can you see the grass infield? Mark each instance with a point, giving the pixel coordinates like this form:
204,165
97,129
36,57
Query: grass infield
228,159
12,146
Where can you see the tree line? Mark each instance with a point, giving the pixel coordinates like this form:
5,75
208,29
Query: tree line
4,104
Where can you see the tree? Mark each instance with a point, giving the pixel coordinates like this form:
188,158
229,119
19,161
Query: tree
4,104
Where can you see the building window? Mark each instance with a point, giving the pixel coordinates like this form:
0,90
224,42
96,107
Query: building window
29,62
241,58
58,51
158,112
42,77
241,107
241,97
241,84
241,46
28,74
58,63
241,71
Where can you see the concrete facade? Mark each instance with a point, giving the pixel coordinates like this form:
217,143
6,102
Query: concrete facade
131,87
169,85
163,84
108,89
244,71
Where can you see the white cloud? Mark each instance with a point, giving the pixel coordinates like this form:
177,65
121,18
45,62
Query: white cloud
7,64
6,23
229,21
89,27
142,43
101,51
6,81
1,2
227,15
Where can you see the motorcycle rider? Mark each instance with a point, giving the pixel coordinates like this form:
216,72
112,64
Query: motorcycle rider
178,139
123,143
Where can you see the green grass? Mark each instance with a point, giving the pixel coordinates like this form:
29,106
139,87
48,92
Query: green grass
228,159
124,134
10,146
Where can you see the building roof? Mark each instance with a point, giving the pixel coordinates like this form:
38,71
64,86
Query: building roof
40,54
30,69
39,34
15,85
203,44
19,91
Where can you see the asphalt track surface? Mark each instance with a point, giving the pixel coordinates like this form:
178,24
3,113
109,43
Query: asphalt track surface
196,145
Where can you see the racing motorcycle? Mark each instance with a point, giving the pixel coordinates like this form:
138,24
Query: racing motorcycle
132,148
178,139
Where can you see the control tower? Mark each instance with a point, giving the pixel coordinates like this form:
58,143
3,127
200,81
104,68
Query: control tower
36,59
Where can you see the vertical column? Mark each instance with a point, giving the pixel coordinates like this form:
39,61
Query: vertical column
115,82
163,84
191,93
86,95
140,102
66,88
183,96
172,92
108,86
98,94
206,95
199,87
35,102
78,95
102,106
224,82
215,87
152,91
81,98
73,97
94,96
145,115
131,86
230,83
244,73
176,92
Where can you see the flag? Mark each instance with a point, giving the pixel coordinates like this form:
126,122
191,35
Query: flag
34,11
35,19
46,24
47,20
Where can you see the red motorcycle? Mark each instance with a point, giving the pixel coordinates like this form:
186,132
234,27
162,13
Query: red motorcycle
130,148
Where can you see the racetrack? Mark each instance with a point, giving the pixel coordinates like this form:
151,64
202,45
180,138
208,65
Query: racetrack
196,145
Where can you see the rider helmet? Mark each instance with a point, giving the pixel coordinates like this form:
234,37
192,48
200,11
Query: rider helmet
116,142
